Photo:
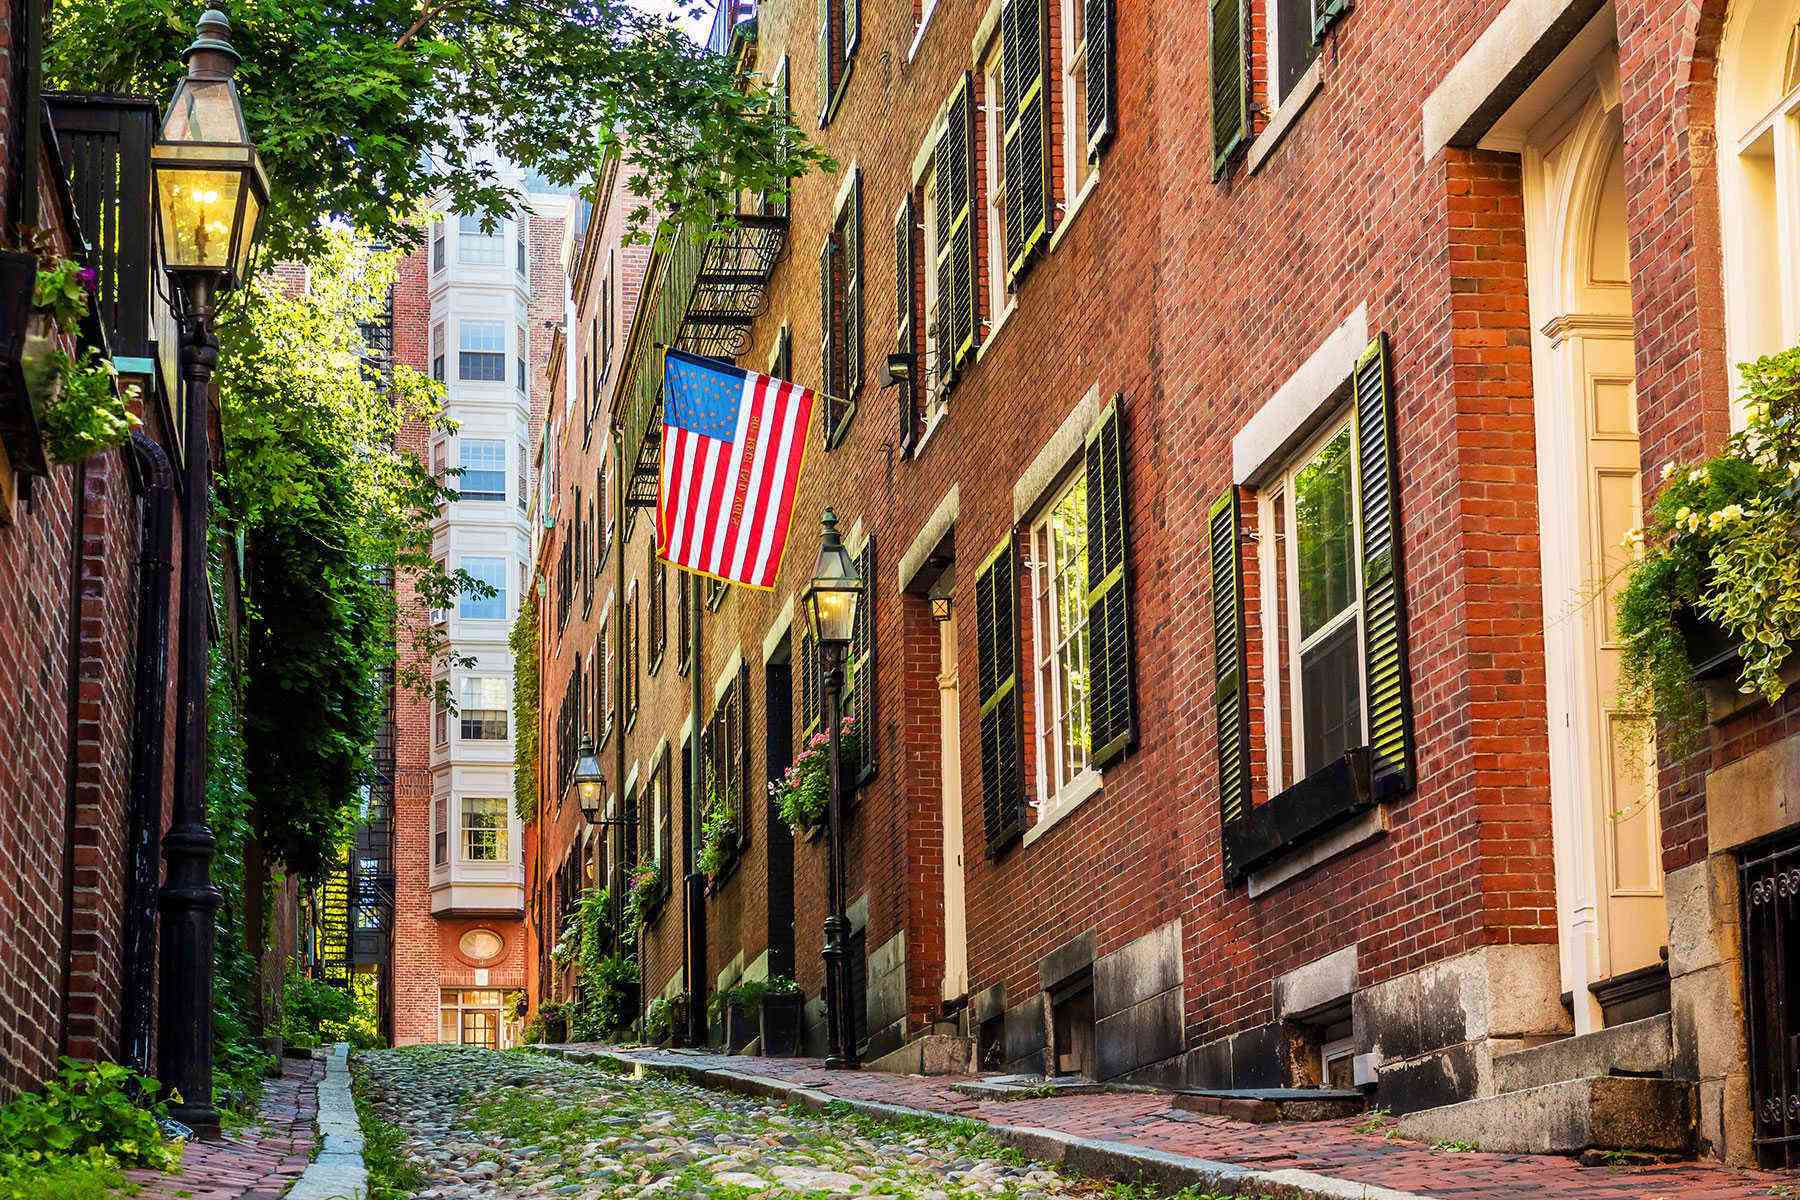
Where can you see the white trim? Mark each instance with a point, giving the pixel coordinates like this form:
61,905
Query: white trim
932,422
1057,453
784,621
1062,226
1297,407
844,189
856,539
631,777
930,534
728,675
1081,788
662,743
1292,105
912,50
1012,306
985,30
1513,37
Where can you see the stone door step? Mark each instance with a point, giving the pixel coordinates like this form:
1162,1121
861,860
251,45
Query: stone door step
1618,1113
1264,1106
930,1054
1639,1048
1028,1087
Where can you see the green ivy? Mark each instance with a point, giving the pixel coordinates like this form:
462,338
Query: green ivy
718,836
523,640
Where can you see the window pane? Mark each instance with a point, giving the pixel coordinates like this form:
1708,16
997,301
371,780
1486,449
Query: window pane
1331,690
483,465
484,829
1294,50
491,571
482,351
477,247
1059,587
1322,528
482,709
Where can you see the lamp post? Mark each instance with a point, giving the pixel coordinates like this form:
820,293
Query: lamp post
210,194
831,601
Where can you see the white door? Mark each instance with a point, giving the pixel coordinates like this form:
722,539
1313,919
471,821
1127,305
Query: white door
956,928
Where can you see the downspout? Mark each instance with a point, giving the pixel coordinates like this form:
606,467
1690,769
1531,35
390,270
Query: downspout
143,855
694,891
72,773
620,494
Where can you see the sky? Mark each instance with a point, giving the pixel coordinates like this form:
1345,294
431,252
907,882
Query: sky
695,29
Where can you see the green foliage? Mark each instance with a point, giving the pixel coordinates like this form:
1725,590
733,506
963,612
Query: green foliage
364,108
314,1013
606,999
803,793
718,836
89,1112
659,1016
523,640
1722,543
88,415
61,289
63,1178
646,886
748,995
330,507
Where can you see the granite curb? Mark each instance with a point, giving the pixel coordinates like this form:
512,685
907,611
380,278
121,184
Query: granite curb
338,1172
1094,1157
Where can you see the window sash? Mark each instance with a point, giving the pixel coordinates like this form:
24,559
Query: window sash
491,571
440,834
475,247
1293,649
1060,650
483,463
1291,48
485,836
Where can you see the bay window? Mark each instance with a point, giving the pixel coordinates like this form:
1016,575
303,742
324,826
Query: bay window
483,463
481,351
476,246
485,838
492,607
482,708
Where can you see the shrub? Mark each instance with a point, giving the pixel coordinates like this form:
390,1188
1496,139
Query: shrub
315,1013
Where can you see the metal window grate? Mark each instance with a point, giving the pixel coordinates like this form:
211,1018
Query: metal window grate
1769,884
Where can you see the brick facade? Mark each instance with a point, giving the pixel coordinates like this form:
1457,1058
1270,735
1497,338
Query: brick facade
1197,300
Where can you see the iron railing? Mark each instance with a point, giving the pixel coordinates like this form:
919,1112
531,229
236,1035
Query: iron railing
1769,883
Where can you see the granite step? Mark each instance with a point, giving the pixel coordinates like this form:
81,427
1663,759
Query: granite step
1637,1048
1607,1113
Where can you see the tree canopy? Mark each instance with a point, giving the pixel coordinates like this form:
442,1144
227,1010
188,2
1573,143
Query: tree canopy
363,109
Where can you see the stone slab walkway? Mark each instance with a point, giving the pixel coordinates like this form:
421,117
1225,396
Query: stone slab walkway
338,1172
1325,1158
259,1163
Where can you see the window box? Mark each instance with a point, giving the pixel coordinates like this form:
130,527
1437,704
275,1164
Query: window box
1324,800
1711,649
780,1023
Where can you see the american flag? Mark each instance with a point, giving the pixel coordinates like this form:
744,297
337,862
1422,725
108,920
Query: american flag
732,444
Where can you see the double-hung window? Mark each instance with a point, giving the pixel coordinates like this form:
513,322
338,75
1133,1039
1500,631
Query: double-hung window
475,245
1077,165
440,831
523,347
437,352
491,571
483,463
840,24
841,312
519,227
481,710
484,833
1291,46
481,351
1059,606
437,246
1314,624
440,722
999,297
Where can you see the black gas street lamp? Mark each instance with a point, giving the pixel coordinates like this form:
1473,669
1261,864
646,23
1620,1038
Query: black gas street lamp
210,196
590,784
831,601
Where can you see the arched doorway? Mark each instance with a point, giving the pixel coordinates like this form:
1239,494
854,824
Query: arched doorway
1612,924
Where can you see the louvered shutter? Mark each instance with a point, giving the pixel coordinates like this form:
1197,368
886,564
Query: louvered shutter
740,735
1002,735
862,666
954,162
1111,715
904,324
1024,55
852,227
827,367
827,77
1097,20
1384,588
809,685
1231,688
1230,81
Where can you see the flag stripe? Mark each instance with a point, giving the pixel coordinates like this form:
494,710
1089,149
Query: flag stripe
750,530
769,537
731,480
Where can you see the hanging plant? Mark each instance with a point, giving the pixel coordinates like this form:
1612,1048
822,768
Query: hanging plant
718,835
62,292
86,412
1719,560
803,792
640,901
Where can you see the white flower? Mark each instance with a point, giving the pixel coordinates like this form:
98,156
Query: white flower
1696,475
1633,539
1668,470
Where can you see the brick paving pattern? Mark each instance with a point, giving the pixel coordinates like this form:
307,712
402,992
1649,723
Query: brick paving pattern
1330,1148
260,1163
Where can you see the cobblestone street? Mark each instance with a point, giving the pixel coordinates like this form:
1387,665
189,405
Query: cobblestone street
481,1124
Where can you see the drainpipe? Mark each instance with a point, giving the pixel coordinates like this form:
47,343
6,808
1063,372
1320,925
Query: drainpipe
620,831
149,703
694,890
72,773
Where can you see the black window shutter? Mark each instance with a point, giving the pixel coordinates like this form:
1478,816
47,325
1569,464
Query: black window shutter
1112,716
952,329
1024,54
904,342
853,323
1097,18
997,640
1230,81
1231,688
862,668
1384,586
740,733
809,685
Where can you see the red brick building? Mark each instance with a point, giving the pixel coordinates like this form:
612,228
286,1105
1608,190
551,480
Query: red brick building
1236,685
474,308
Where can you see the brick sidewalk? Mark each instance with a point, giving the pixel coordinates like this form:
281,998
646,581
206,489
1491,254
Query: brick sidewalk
1330,1148
259,1163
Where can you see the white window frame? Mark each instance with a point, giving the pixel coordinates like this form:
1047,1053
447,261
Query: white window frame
1048,642
464,829
1272,59
440,829
440,355
1280,489
481,326
477,248
1078,172
502,587
1001,300
463,447
440,256
467,702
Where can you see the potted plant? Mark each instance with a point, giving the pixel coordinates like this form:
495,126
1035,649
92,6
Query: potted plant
1714,592
663,1017
730,1016
780,1009
644,895
718,836
59,301
803,792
